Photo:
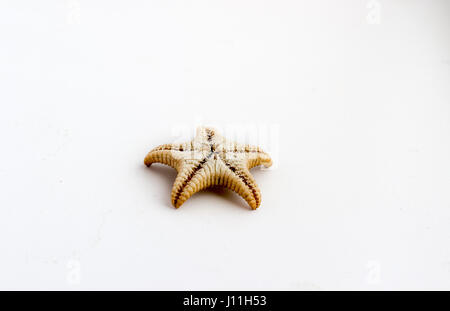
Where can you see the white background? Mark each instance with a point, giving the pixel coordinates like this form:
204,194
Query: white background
359,90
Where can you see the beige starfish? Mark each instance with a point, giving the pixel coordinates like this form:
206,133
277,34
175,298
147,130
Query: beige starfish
210,160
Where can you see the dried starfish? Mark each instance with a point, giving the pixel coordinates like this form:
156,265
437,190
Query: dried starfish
210,160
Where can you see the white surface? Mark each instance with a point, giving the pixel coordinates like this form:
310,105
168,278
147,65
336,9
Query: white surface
360,196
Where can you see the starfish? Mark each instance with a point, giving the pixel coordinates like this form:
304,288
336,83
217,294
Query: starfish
211,160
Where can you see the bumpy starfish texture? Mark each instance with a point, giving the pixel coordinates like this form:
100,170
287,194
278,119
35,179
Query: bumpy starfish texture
211,160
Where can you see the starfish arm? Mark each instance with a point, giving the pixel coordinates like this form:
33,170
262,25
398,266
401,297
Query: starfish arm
191,179
257,158
239,179
254,155
162,154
